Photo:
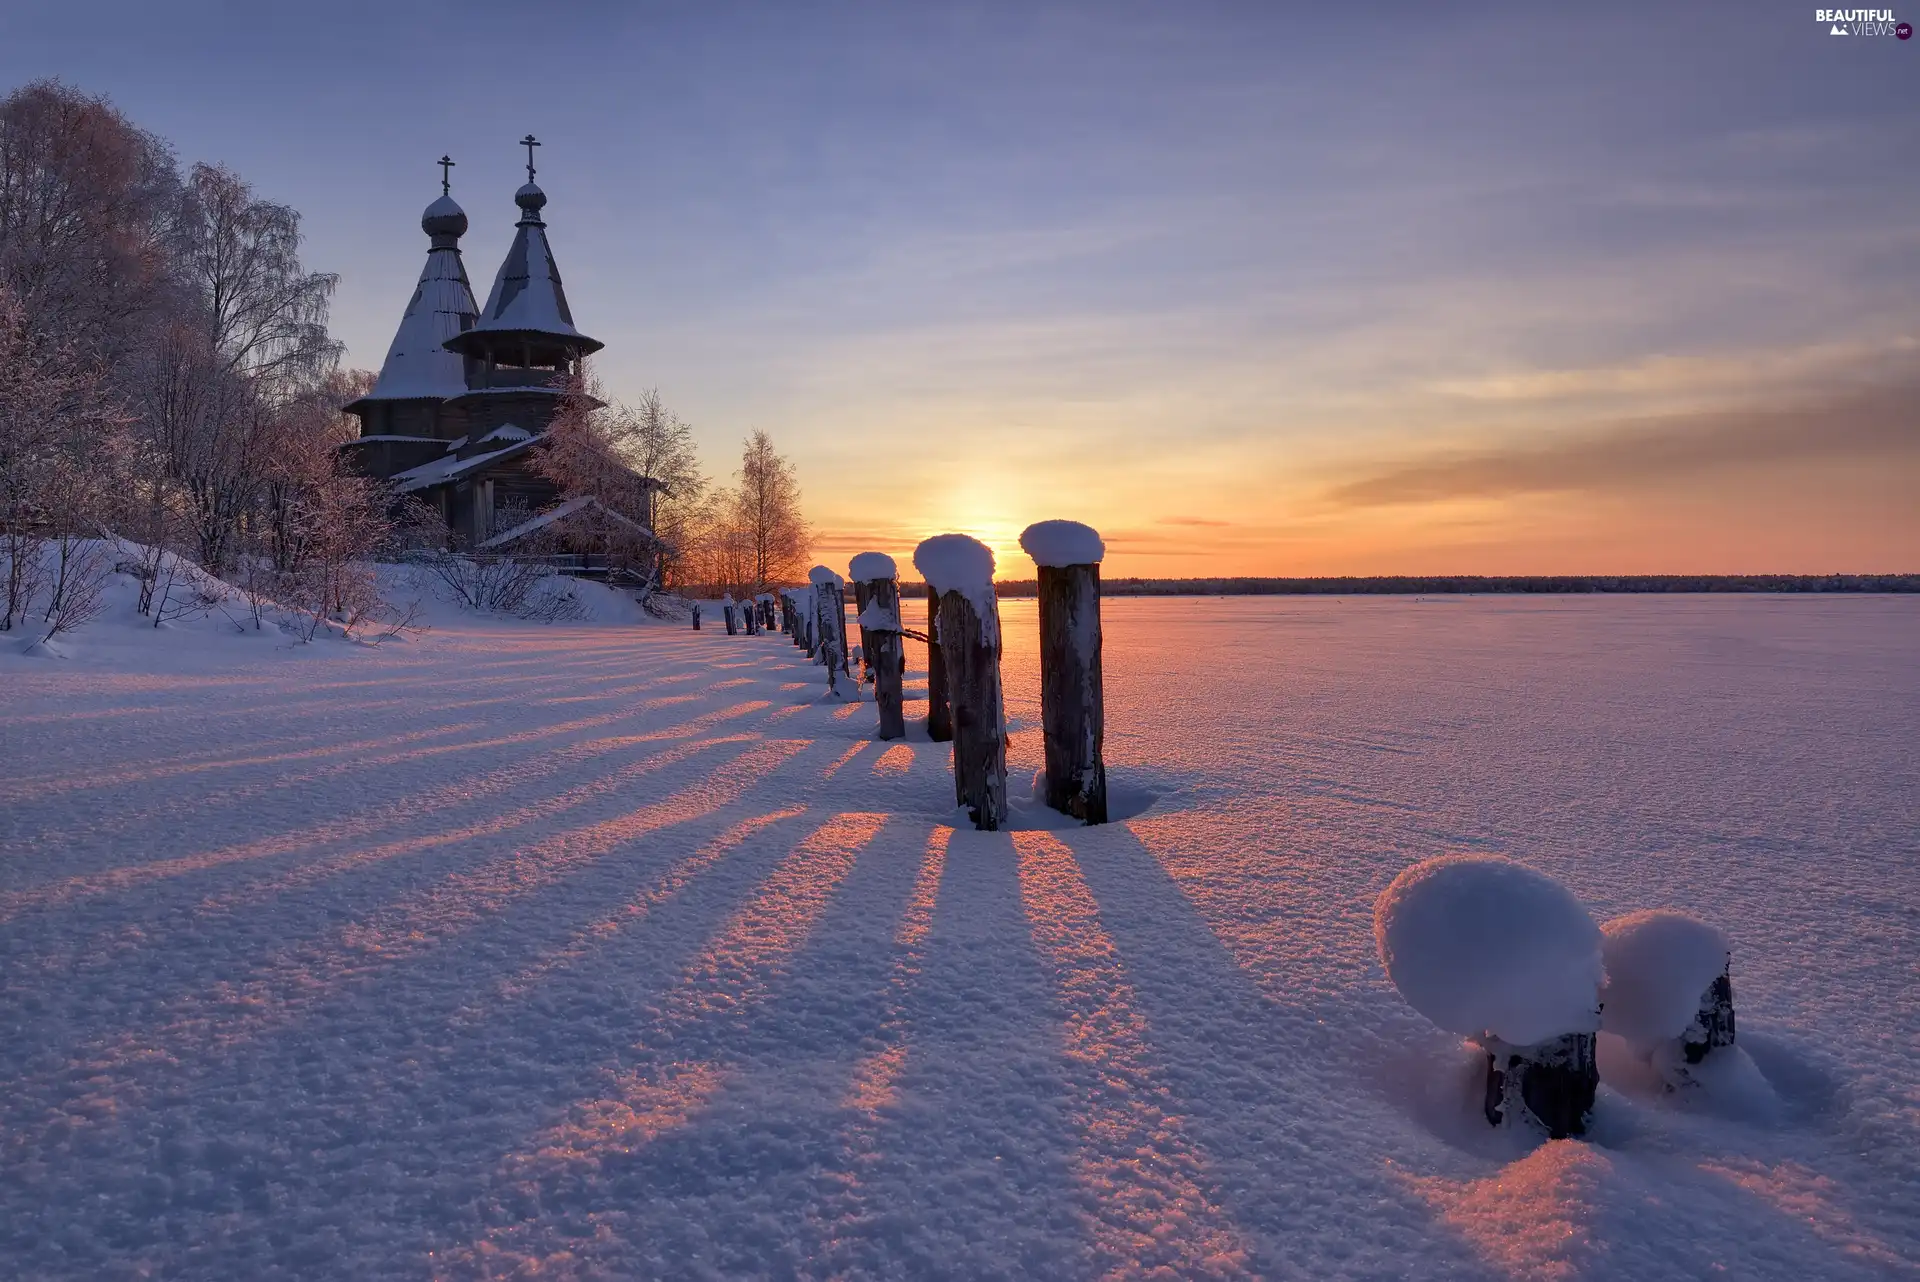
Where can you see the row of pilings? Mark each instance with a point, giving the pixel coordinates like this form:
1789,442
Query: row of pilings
965,702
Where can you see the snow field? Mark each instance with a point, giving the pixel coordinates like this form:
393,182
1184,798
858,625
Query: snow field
588,950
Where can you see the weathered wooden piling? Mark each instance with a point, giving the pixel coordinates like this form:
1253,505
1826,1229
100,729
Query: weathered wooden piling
939,708
960,569
1556,1081
861,595
727,608
1072,704
1713,1027
882,648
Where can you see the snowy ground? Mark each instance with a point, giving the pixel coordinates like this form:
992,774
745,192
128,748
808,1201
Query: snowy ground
594,950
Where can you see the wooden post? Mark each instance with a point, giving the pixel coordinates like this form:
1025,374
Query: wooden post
840,627
1555,1081
971,644
826,632
939,711
1072,704
1713,1026
883,648
726,605
696,616
863,593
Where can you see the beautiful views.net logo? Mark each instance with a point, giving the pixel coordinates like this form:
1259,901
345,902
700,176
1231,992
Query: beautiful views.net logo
1863,22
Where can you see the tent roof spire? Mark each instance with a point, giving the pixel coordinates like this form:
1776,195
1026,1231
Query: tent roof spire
418,364
527,311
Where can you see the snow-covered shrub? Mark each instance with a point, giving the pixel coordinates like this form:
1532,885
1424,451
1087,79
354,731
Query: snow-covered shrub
1659,966
507,585
1491,949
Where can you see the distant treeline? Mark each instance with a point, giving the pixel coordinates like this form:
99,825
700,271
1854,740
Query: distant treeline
1408,585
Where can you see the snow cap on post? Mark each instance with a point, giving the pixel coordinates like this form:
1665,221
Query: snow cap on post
956,563
1059,543
820,576
871,565
1660,964
1486,947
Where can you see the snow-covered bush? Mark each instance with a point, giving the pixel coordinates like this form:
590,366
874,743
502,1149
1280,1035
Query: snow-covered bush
1659,966
502,585
1491,949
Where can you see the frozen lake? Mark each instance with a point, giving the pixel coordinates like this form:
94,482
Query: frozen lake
610,951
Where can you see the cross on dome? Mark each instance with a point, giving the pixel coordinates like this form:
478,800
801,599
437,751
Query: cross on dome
445,163
529,142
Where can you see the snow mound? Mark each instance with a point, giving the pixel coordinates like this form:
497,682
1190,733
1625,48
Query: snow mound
955,563
822,576
872,565
1659,965
1486,947
1057,543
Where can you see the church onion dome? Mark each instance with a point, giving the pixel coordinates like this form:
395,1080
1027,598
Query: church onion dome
418,364
444,217
527,308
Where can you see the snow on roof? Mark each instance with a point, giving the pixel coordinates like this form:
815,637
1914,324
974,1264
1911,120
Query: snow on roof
418,364
1058,543
527,296
872,565
433,440
451,467
1483,946
557,513
508,432
1659,964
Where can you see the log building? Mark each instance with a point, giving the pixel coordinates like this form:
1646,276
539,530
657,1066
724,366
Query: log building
467,393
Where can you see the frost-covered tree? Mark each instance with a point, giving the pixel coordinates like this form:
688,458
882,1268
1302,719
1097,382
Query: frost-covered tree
63,444
89,219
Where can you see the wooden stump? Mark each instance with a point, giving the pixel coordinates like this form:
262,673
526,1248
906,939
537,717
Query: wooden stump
883,650
1713,1026
1555,1081
733,626
971,644
1072,708
939,711
696,618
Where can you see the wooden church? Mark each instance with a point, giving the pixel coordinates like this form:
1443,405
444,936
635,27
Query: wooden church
466,393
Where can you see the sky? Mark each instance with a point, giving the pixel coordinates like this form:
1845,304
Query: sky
1250,288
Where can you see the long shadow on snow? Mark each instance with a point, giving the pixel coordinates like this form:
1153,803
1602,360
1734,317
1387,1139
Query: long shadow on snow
302,1121
1259,1080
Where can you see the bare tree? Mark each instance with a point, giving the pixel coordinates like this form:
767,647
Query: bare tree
89,209
62,451
589,451
231,383
768,510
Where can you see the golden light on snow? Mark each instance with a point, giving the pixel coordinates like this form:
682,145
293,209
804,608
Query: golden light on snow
1147,1182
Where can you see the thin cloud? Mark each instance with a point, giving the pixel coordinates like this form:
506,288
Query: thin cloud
1189,520
1883,425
